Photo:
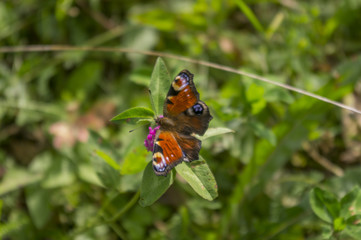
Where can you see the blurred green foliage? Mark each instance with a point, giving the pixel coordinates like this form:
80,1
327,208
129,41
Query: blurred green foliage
290,170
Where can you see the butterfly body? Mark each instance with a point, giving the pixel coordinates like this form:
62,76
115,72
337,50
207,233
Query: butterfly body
184,116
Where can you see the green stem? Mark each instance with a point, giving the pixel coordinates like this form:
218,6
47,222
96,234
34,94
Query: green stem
118,231
129,205
94,222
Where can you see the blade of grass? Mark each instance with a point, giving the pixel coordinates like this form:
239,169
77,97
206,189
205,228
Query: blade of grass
250,15
275,24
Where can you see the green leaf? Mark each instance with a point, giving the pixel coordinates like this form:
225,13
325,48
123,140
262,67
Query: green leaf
102,155
153,186
275,24
108,175
60,174
142,39
348,200
276,94
84,78
17,178
324,205
159,85
131,183
62,8
135,161
141,76
199,177
339,224
263,132
38,203
137,112
158,18
327,232
211,132
107,159
353,231
354,220
254,95
87,173
250,15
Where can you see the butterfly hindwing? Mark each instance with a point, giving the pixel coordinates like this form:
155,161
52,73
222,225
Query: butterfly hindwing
195,119
190,147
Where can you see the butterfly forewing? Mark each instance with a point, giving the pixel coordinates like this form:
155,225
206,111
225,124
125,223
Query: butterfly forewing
181,95
166,153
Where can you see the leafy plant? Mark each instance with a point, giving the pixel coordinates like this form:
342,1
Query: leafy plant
197,173
341,216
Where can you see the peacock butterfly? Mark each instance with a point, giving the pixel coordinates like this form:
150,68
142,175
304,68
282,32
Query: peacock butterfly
184,115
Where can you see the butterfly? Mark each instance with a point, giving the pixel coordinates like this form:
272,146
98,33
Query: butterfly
184,116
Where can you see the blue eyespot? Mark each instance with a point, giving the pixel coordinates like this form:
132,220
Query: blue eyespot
198,109
184,75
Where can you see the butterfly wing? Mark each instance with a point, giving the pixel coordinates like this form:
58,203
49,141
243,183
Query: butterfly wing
190,147
166,153
181,95
170,149
184,107
195,119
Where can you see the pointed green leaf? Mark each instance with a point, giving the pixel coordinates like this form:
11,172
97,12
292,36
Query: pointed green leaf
60,174
135,161
137,112
255,96
104,167
199,177
87,173
354,220
250,15
353,231
211,132
263,132
327,232
153,186
17,178
107,159
324,205
38,203
349,200
159,85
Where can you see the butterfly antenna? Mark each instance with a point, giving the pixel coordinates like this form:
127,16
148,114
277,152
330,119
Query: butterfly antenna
130,131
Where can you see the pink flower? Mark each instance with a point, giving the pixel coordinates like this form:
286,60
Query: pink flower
149,141
75,129
66,135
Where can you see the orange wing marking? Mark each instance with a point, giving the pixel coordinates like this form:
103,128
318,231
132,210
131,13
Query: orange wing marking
167,153
182,101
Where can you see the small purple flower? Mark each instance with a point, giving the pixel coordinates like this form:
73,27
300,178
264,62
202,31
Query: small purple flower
149,141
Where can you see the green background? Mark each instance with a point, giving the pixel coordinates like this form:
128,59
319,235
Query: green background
67,172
